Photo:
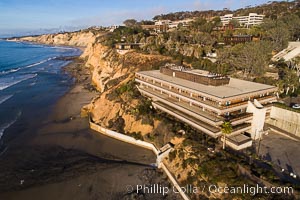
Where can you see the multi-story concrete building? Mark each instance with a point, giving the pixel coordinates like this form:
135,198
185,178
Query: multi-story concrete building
205,100
164,25
226,19
250,20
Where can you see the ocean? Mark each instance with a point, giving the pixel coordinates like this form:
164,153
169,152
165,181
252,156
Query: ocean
31,78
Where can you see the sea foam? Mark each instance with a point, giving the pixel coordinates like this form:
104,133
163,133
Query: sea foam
5,98
25,67
7,125
8,82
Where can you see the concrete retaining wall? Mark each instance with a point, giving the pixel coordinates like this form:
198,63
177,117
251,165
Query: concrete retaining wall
123,137
143,144
286,120
175,184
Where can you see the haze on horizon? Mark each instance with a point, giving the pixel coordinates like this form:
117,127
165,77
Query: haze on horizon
35,16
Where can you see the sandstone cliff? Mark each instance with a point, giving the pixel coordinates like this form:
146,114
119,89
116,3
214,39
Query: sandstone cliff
80,38
111,73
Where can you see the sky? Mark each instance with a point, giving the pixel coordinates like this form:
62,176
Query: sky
29,15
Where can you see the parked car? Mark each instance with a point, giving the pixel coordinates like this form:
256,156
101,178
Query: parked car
296,106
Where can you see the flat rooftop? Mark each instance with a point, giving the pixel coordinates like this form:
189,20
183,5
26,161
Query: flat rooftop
235,87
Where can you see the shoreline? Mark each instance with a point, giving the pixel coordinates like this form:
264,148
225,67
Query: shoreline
4,144
63,152
81,48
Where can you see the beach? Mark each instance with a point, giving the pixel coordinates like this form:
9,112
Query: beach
59,157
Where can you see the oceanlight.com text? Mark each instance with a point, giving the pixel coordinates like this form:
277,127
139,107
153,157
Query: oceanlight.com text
189,189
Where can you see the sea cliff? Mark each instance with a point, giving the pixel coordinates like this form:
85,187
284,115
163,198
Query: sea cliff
116,106
80,38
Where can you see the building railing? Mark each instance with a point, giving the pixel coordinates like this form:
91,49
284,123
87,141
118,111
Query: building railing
240,126
213,117
243,116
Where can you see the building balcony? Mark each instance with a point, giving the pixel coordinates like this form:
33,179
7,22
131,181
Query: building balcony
175,93
240,128
194,122
238,142
205,102
183,106
238,119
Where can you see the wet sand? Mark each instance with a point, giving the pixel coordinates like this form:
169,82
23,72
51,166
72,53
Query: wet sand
61,158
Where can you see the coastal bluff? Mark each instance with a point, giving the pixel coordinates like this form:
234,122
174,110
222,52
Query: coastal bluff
80,38
117,107
110,71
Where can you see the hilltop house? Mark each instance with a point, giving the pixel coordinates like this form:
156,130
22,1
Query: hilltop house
161,26
251,20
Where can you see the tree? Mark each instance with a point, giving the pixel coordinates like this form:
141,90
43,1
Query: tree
277,32
290,80
217,21
146,22
295,64
235,23
252,58
226,129
130,22
293,23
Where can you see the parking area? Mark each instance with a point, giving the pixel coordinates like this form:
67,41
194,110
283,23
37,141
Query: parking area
290,101
282,151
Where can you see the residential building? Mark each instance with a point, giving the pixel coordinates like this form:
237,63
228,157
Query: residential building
127,46
161,26
205,100
185,23
235,39
251,20
156,28
226,19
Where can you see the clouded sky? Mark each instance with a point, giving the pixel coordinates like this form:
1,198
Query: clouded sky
41,14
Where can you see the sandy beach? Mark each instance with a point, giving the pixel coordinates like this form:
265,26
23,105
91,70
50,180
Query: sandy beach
59,157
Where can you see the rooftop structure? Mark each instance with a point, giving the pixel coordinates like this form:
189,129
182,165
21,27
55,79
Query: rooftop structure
197,76
206,105
251,20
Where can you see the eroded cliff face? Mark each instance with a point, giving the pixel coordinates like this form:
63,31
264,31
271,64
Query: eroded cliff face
110,71
81,38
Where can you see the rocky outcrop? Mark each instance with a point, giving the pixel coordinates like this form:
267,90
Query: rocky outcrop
106,64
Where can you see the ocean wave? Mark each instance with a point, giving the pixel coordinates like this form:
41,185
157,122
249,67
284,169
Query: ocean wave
32,84
38,63
5,98
25,67
9,71
7,125
8,82
58,47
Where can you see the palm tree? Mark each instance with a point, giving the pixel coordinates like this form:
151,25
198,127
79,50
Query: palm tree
226,129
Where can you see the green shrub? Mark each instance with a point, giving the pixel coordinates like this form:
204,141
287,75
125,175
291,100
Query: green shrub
172,155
